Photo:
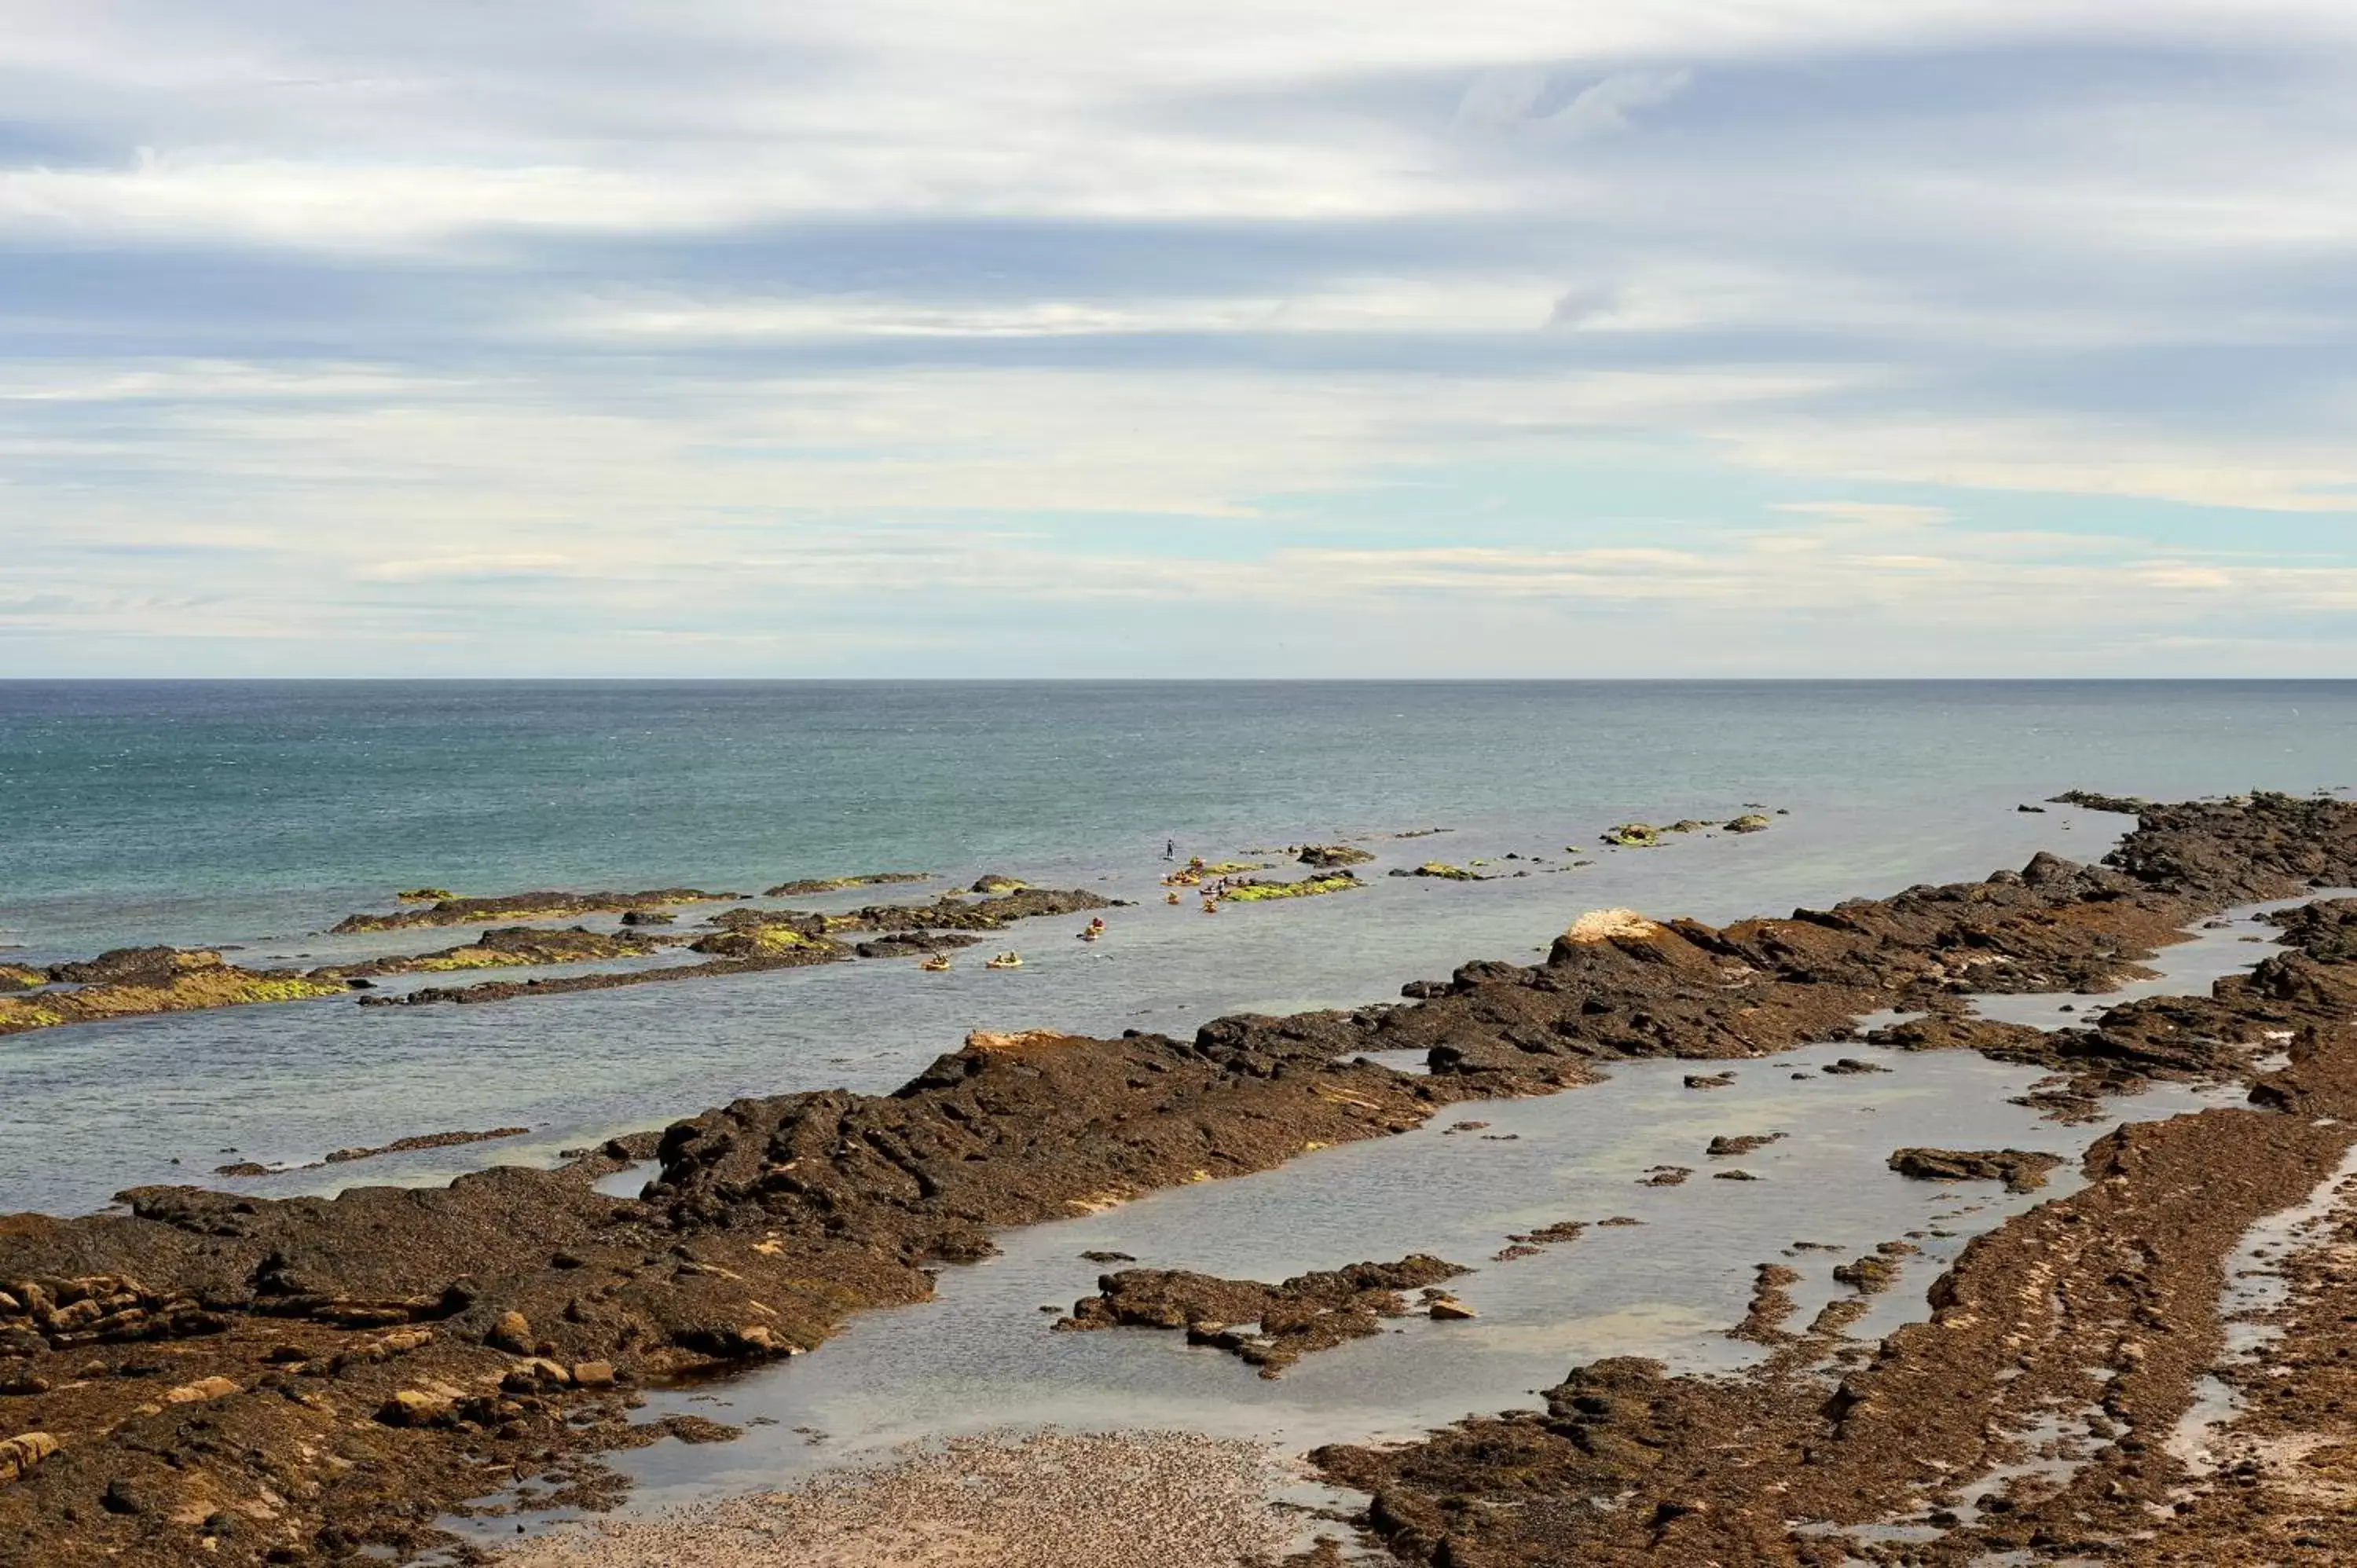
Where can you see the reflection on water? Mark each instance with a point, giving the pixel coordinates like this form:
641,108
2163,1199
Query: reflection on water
980,1354
630,1181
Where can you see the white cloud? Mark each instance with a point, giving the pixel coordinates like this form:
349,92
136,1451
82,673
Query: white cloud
1061,304
1608,104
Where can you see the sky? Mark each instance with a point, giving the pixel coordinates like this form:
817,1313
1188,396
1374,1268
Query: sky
1096,338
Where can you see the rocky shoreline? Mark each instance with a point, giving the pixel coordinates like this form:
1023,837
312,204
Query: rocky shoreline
292,1379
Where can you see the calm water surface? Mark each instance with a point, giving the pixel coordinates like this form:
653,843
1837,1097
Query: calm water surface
260,813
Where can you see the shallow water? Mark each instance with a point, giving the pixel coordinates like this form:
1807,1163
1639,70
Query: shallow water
980,1354
2255,1293
2237,940
285,1083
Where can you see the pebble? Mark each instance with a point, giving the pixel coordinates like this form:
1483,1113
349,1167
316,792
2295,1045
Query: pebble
1045,1500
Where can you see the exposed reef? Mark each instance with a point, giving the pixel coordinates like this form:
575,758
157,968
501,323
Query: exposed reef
398,1146
506,946
2021,1170
304,1377
1264,1326
542,906
133,982
809,886
1307,888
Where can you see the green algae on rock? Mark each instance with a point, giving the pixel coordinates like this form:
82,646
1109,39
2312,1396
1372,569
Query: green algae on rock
130,983
950,913
1445,872
1308,887
809,886
1329,856
769,940
504,947
1749,823
1634,835
133,982
542,905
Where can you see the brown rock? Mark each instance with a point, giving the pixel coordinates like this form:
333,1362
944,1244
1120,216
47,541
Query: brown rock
2021,1170
511,1333
18,1454
415,1407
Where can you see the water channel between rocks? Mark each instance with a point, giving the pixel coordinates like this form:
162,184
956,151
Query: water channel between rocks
980,1356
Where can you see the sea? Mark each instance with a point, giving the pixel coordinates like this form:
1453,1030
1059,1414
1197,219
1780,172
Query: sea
255,815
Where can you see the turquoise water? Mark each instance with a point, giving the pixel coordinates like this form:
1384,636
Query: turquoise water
208,810
260,813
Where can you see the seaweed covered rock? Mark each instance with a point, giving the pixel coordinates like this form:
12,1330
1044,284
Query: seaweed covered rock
806,886
768,939
132,982
1443,871
506,946
134,966
540,905
984,915
1327,857
1308,887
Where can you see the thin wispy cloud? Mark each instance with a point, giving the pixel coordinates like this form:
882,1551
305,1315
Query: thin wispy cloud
708,338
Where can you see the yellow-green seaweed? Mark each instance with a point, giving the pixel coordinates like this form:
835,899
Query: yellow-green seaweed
1308,887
